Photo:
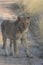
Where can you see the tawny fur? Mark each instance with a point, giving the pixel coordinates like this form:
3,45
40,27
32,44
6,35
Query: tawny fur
15,31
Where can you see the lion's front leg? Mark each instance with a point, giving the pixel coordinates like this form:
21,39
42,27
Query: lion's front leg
25,44
15,49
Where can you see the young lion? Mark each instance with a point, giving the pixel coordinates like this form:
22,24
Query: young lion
15,31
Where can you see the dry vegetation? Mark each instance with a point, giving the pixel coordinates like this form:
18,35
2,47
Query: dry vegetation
35,9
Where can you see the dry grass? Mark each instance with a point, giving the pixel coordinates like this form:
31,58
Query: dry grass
35,8
31,6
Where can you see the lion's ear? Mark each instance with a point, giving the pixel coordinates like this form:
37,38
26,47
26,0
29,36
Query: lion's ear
18,18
